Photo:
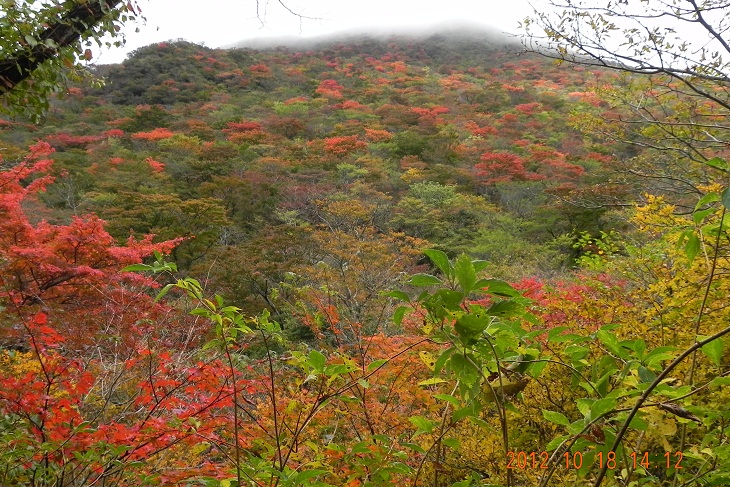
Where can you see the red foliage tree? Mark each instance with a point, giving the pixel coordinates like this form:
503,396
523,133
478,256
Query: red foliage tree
343,145
330,88
239,132
94,400
71,270
153,135
499,167
475,129
553,164
62,141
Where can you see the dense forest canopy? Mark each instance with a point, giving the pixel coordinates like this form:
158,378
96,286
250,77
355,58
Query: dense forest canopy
434,260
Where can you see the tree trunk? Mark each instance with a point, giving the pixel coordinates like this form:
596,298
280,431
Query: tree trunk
66,31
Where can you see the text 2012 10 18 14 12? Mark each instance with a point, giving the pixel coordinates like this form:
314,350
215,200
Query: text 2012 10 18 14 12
541,460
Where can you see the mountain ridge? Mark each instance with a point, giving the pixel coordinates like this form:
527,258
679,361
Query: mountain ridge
454,30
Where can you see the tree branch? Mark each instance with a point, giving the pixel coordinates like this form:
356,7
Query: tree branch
66,31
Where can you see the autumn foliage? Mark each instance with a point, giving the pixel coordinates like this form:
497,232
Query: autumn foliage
370,263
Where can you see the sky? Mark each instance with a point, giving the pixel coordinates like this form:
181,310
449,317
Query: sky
219,23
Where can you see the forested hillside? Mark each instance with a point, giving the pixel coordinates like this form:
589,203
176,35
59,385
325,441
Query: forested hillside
462,144
436,260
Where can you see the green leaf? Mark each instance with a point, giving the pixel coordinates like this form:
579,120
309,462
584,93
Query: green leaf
468,411
610,341
451,442
556,332
397,295
441,260
505,309
465,273
639,423
450,299
376,364
584,406
317,360
707,199
535,368
658,355
555,417
692,247
726,198
602,406
432,381
576,427
441,361
215,343
608,372
306,475
498,287
471,325
556,442
638,346
424,280
576,353
194,283
413,446
479,265
164,291
720,381
361,447
423,424
448,398
464,369
137,268
718,163
399,313
339,369
699,216
646,376
713,350
557,335
399,468
719,227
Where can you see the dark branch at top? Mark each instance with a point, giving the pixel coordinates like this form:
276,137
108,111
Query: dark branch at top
64,32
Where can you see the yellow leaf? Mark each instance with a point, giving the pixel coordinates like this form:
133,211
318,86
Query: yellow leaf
428,359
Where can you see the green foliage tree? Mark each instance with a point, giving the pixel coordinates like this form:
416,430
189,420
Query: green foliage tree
42,45
151,77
